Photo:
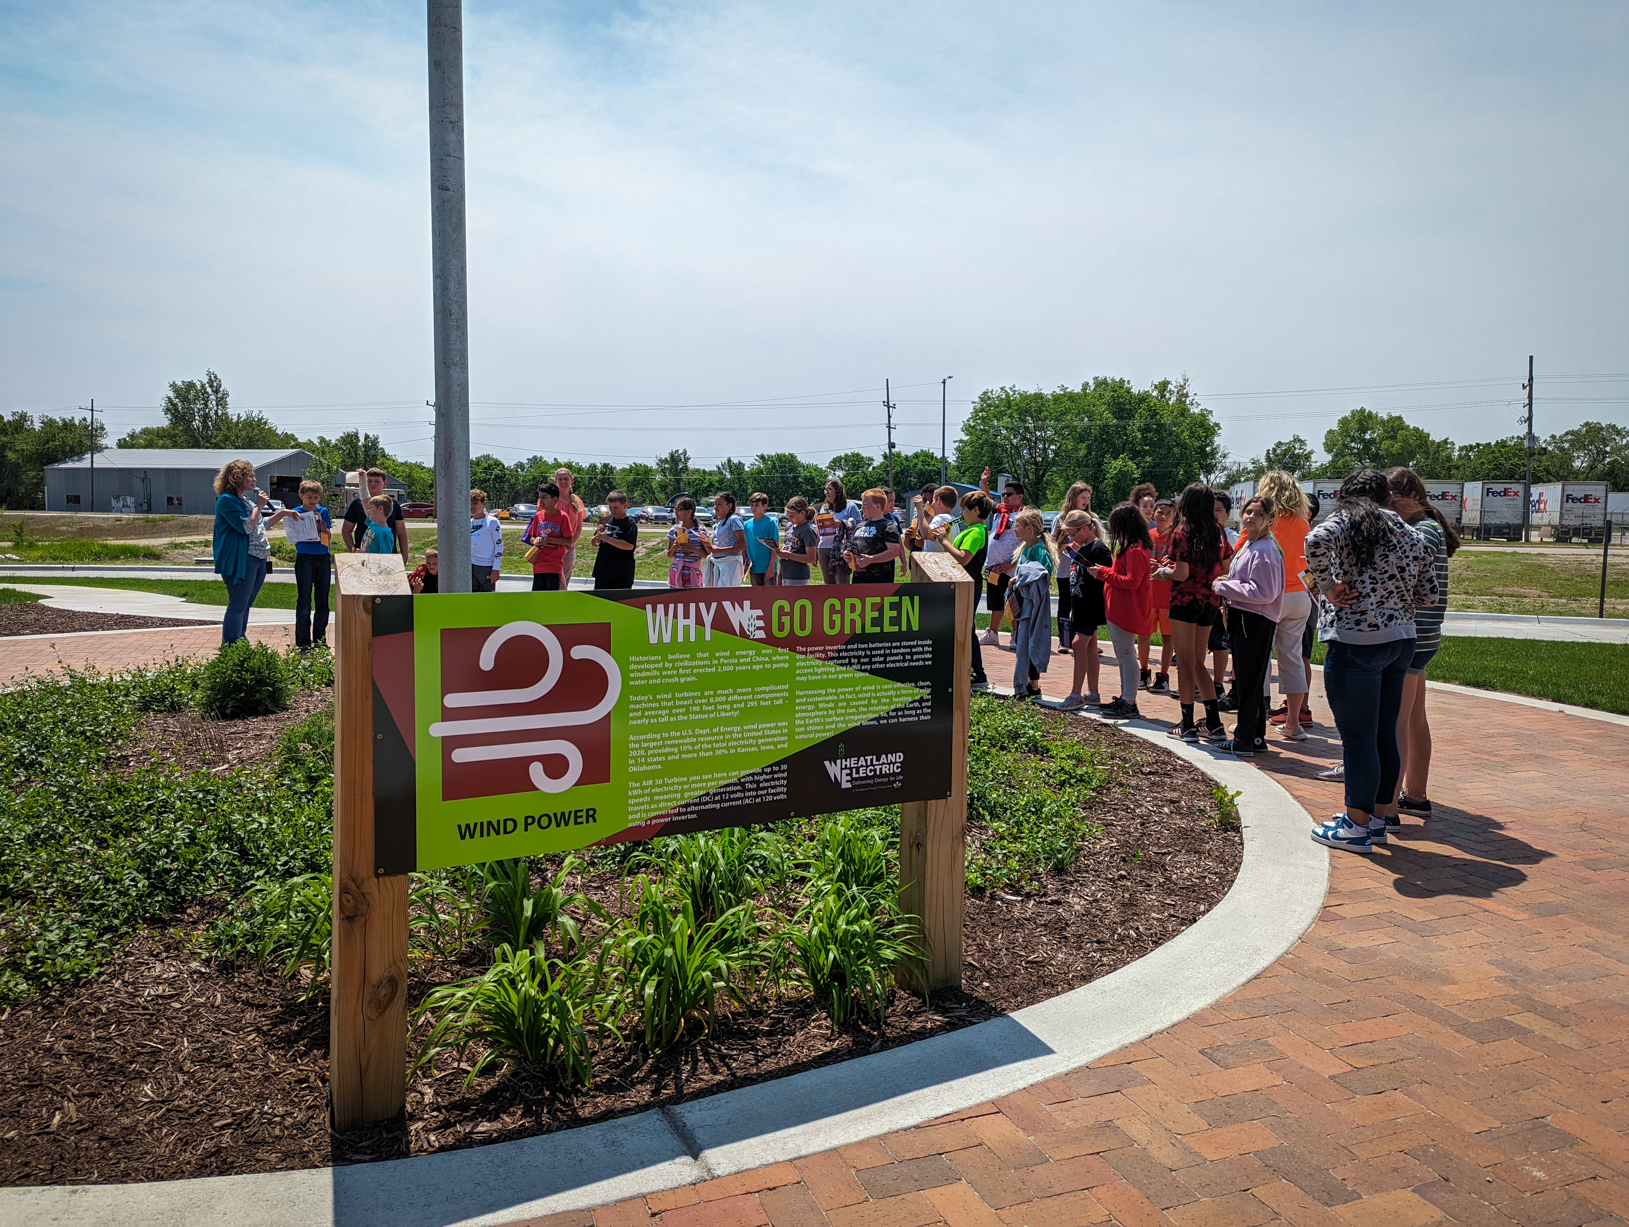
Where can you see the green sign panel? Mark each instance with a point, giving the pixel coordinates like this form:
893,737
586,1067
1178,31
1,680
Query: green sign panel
512,724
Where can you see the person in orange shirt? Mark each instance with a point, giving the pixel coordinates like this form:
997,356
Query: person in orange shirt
1289,529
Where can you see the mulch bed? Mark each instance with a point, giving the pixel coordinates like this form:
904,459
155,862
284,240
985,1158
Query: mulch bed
38,618
171,1066
188,742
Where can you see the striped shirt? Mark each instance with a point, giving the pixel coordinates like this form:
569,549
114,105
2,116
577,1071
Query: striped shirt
1428,621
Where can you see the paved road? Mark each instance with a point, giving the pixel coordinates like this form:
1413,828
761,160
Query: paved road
1447,1044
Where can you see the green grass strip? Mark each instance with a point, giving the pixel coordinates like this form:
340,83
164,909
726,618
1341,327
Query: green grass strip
1583,674
197,591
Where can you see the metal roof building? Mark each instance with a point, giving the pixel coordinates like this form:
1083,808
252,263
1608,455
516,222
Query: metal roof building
174,481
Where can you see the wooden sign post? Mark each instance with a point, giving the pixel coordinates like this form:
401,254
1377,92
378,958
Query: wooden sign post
367,1019
933,834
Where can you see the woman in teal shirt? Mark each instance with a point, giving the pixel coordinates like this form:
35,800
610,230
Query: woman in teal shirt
237,527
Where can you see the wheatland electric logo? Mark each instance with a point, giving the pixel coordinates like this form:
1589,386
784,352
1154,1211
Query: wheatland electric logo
533,708
866,770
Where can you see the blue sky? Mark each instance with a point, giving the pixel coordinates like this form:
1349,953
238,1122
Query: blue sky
760,211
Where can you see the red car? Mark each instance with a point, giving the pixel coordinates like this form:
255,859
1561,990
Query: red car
419,511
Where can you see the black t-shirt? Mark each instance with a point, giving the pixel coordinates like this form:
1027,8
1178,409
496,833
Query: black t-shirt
873,537
357,514
1087,608
614,568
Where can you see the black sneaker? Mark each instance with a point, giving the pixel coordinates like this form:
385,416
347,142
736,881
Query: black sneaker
1142,676
1161,684
1236,749
1119,709
1227,702
1393,820
1413,805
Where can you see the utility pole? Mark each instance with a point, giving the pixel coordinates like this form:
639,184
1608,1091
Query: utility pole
451,298
888,408
1530,441
93,453
944,467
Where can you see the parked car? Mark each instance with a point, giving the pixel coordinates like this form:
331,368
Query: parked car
656,514
419,511
1049,518
523,511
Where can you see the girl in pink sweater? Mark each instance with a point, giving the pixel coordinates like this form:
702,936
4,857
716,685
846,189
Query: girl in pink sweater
1254,590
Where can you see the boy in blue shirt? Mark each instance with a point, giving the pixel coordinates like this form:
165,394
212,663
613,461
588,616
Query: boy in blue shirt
379,539
309,528
763,542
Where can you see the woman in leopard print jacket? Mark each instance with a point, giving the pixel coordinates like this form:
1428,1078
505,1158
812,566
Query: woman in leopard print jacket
1373,571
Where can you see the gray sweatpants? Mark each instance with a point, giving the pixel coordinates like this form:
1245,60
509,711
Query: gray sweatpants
1125,656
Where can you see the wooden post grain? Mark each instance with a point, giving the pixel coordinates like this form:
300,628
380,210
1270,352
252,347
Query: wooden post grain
933,834
367,1021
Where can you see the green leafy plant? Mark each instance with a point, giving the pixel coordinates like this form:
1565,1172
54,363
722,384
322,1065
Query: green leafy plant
848,853
171,687
285,925
245,680
675,969
526,915
1227,807
526,1008
846,950
715,870
446,909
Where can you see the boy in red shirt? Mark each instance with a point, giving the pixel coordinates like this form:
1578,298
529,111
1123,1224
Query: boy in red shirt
552,531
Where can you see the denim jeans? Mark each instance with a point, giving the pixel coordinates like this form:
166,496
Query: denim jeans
1365,686
313,574
240,595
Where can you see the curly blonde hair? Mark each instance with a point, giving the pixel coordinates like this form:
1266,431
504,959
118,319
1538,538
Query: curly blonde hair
1287,497
232,474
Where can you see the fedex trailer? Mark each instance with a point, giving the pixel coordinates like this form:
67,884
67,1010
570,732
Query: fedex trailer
1241,493
1448,497
1565,510
1492,509
1324,490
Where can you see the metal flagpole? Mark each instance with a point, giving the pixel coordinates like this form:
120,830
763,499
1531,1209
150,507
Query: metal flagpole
446,45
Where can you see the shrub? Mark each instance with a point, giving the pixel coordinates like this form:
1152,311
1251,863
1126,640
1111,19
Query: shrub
447,908
310,743
171,687
1227,807
245,680
846,950
675,969
527,916
527,1008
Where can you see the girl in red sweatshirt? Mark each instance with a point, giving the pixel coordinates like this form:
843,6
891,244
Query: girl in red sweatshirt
1128,593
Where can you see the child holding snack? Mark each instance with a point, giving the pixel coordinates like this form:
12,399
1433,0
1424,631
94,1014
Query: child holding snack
688,546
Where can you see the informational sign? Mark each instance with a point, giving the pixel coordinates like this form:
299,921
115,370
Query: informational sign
510,724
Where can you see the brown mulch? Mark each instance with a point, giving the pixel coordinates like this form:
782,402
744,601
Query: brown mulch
170,1066
38,618
189,742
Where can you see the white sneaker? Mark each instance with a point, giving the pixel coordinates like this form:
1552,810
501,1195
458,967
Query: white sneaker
1292,732
990,639
1073,703
1337,772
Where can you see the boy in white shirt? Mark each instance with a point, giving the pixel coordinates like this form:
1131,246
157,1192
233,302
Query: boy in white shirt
485,545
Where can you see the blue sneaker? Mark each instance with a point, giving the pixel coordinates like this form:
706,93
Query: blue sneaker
1341,832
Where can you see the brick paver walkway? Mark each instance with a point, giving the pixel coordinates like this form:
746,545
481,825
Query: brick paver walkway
1448,1043
111,651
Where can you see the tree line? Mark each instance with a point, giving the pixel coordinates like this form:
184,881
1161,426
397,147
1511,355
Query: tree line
1105,432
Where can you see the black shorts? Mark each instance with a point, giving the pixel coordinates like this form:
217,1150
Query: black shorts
546,581
1194,615
996,595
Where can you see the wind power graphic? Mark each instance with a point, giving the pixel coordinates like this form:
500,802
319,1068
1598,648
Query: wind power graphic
494,725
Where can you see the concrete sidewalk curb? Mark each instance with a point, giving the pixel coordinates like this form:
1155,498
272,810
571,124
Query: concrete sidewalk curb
1276,897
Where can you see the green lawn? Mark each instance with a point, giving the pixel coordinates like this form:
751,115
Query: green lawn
10,596
1583,674
1552,582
